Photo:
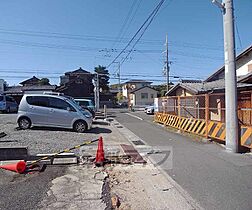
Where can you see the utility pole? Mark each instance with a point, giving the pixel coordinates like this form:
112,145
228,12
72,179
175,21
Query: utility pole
119,77
232,136
167,67
97,93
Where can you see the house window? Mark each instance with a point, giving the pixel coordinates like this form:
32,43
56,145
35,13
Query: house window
79,81
144,95
152,95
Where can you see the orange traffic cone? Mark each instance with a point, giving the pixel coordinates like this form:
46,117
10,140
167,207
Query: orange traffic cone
18,167
99,160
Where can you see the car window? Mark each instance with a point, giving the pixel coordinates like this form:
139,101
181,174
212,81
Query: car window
37,100
10,99
59,104
83,103
1,98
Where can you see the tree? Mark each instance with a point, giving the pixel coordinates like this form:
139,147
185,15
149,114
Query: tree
162,89
103,76
44,81
119,97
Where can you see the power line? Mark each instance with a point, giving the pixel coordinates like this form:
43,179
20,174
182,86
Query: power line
131,20
135,35
43,72
103,38
155,11
119,36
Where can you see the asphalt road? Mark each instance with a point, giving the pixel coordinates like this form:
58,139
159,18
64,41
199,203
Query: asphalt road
215,178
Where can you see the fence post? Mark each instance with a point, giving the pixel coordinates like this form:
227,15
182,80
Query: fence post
206,112
179,112
105,111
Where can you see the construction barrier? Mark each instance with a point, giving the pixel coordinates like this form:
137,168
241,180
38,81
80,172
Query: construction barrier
211,129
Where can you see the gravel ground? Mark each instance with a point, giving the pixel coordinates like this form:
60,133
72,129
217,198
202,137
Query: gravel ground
44,140
26,191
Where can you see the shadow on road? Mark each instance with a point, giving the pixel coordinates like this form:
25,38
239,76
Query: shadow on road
51,129
97,130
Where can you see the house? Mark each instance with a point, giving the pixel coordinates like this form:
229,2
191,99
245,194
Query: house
143,96
30,82
190,88
77,83
216,81
133,84
243,66
29,86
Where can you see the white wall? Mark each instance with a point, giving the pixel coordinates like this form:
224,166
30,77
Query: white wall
132,86
242,65
124,91
148,101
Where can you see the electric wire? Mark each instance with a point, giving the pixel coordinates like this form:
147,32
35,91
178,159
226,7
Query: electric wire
135,35
151,19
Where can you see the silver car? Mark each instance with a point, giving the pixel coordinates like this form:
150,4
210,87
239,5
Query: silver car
8,104
52,110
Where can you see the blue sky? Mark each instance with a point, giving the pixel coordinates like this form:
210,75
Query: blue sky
47,38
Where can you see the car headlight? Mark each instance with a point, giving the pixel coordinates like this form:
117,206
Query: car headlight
87,114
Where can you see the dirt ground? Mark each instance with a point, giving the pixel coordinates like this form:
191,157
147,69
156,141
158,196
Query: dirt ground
143,187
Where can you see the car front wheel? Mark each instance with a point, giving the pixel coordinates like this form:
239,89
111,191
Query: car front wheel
80,126
24,123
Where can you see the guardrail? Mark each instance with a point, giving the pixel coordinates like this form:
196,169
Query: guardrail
205,128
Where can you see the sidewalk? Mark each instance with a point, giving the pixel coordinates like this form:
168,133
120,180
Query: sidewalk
134,186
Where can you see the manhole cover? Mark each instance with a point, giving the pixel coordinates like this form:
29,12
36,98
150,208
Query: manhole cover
138,142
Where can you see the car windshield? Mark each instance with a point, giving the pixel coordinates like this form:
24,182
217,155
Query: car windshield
83,103
73,103
1,98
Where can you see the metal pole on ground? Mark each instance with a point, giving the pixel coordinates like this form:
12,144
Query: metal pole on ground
98,94
230,79
105,111
232,136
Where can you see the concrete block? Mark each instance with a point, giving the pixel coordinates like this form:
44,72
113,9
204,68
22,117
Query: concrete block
112,150
88,151
60,161
65,154
13,153
6,162
206,140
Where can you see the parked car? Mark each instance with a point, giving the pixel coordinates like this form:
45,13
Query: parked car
149,109
52,110
86,104
123,104
8,104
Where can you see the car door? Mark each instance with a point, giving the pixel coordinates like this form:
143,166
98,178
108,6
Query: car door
11,104
38,110
62,112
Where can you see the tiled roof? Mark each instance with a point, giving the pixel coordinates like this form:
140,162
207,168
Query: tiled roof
133,91
137,81
29,80
203,87
21,89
